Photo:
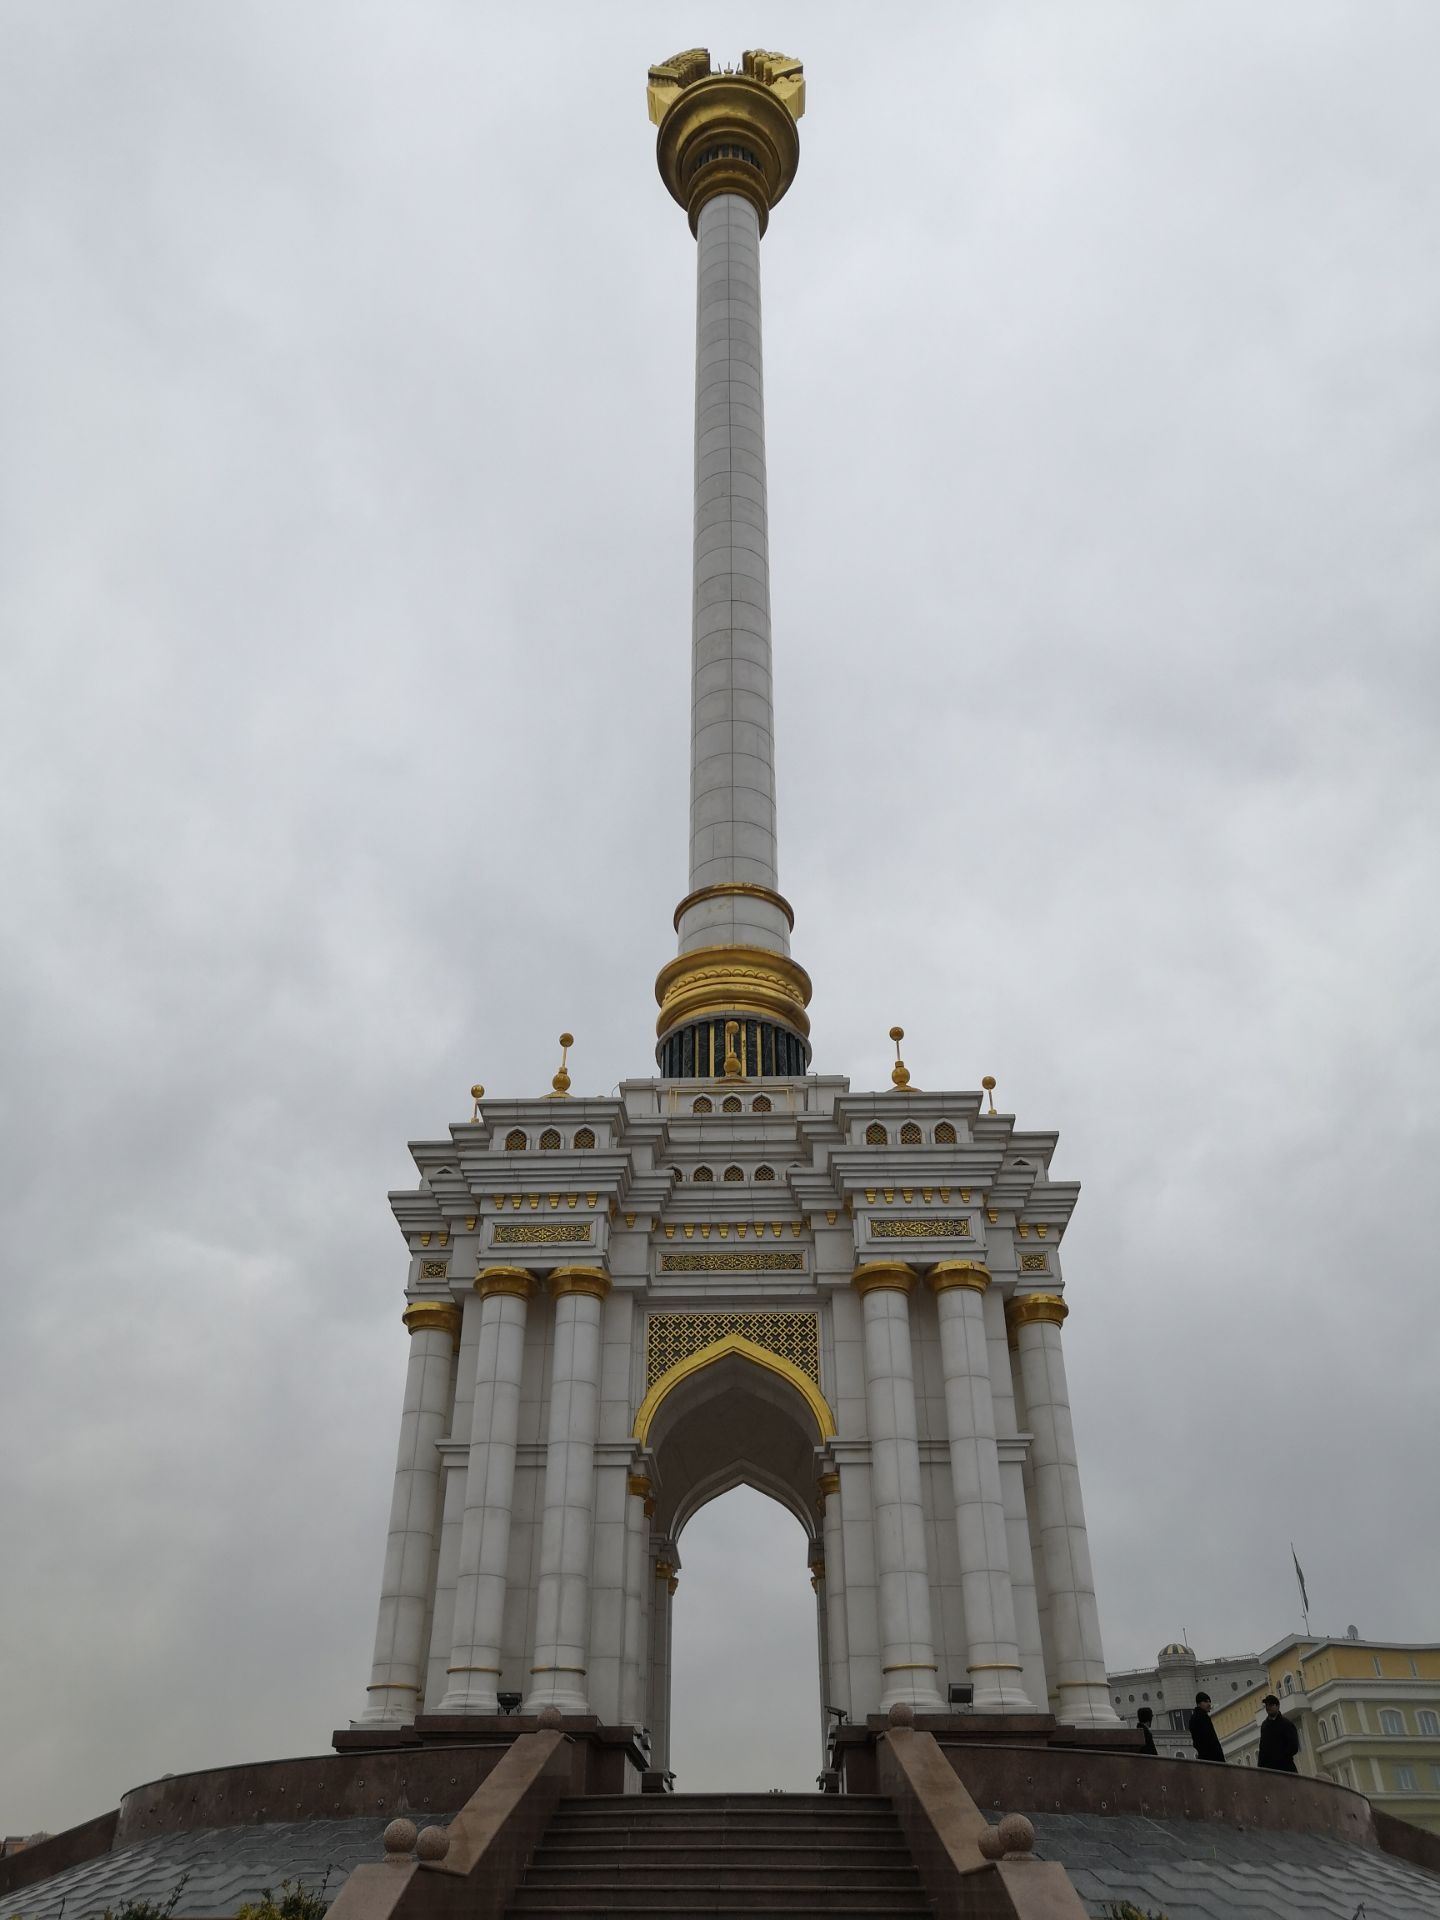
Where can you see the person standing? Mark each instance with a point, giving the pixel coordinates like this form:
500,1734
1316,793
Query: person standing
1279,1739
1203,1736
1142,1720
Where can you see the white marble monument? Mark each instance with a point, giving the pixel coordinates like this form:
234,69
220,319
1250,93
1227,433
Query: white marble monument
737,1271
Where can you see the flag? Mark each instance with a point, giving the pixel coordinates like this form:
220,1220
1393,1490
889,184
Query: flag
1304,1596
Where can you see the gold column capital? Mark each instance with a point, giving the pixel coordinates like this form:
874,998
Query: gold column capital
1035,1310
883,1273
515,1281
829,1483
588,1280
433,1316
727,132
639,1485
958,1273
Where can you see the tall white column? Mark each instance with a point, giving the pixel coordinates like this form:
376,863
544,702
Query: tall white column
837,1680
396,1689
732,762
479,1618
992,1654
1074,1618
907,1648
639,1506
562,1595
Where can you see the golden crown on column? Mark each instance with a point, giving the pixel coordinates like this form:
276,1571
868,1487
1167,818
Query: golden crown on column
730,132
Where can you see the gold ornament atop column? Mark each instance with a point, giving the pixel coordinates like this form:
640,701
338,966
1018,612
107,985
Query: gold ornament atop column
900,1073
561,1082
477,1094
727,132
988,1083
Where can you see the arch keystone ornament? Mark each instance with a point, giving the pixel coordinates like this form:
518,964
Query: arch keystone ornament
711,1308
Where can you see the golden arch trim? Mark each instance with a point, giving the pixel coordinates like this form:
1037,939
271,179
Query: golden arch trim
734,1344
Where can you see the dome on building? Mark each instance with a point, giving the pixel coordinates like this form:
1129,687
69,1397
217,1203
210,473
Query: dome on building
1177,1651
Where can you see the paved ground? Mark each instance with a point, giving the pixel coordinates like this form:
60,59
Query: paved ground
1197,1870
226,1866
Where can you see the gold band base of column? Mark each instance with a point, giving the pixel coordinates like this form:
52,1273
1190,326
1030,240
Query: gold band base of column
913,1666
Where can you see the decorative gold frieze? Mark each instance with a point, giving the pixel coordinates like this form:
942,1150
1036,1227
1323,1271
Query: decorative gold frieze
1034,1263
956,1228
673,1337
731,1262
542,1233
433,1269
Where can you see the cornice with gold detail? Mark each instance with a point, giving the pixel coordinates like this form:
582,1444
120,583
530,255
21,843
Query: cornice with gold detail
874,1274
958,1273
710,981
1036,1310
703,117
587,1280
514,1281
725,889
433,1316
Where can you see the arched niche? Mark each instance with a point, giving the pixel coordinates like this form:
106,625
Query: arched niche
733,1415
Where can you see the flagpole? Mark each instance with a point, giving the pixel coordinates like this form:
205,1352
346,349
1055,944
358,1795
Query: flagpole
1304,1596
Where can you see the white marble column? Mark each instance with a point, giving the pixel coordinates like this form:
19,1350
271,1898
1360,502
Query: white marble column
479,1617
639,1507
837,1680
907,1649
1074,1618
562,1594
992,1654
396,1689
732,761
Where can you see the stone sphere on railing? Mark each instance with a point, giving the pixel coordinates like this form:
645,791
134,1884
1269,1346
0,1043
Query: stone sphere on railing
432,1843
550,1719
1016,1834
991,1846
398,1841
902,1714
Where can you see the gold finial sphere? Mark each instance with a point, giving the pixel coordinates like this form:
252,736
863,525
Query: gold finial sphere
897,1033
477,1092
899,1073
567,1039
988,1083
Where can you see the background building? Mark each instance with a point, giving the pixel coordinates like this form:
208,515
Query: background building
1169,1688
1368,1713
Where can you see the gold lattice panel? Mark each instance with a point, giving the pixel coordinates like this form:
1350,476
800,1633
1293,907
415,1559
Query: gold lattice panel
672,1337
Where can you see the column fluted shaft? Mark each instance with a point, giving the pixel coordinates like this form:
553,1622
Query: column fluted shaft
479,1620
397,1679
633,1663
567,1526
1074,1617
902,1572
992,1651
837,1681
732,763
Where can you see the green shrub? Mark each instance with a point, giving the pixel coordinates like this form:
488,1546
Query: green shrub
295,1903
1127,1910
148,1909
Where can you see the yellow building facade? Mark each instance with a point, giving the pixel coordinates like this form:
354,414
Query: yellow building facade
1368,1713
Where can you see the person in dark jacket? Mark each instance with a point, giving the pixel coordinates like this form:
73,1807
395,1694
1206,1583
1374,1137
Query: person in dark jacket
1203,1736
1279,1739
1142,1720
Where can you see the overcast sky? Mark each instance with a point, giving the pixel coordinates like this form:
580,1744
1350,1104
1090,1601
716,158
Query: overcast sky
345,444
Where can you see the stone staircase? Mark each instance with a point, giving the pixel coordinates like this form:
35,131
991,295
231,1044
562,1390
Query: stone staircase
683,1854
